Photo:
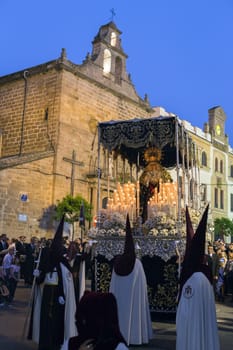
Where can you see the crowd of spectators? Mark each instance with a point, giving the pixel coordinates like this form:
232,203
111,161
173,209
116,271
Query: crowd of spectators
220,259
18,258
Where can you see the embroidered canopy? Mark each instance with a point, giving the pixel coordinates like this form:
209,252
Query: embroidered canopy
130,138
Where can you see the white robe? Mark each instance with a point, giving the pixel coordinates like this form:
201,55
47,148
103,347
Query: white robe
82,279
133,306
70,329
70,305
196,323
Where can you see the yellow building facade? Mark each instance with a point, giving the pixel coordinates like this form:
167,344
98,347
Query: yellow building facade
215,157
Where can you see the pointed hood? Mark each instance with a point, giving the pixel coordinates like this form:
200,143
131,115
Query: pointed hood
53,253
195,250
57,248
124,264
189,233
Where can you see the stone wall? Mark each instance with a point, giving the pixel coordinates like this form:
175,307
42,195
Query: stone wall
29,105
27,215
54,108
84,103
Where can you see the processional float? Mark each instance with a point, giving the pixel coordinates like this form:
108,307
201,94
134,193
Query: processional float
152,172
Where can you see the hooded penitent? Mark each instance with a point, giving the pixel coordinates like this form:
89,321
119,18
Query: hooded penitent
53,255
195,250
124,264
189,233
57,248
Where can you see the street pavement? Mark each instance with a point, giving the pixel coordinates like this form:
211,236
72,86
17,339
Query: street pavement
12,322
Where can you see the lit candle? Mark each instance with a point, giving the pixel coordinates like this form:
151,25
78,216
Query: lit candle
138,199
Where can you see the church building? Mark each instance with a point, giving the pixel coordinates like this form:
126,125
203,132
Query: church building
48,130
49,116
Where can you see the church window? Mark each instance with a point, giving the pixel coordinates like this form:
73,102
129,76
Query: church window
221,166
107,61
216,198
231,171
204,159
113,39
221,199
118,70
216,164
203,192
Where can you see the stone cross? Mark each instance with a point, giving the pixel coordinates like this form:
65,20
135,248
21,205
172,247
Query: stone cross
73,162
113,14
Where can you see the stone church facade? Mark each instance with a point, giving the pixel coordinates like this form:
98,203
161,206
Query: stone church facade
49,117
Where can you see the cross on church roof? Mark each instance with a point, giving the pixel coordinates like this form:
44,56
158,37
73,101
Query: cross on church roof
113,14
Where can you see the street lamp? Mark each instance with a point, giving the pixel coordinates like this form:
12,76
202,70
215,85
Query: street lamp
211,229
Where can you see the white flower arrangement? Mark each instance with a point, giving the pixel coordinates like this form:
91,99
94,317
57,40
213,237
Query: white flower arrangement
93,232
161,224
153,232
109,225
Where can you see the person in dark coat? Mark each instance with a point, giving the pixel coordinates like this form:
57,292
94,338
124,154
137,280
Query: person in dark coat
20,246
97,324
229,272
212,261
53,312
3,246
31,256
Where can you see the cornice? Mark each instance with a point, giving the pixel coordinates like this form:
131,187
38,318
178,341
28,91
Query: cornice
10,162
63,63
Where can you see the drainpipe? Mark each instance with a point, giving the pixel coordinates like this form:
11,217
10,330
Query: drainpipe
25,75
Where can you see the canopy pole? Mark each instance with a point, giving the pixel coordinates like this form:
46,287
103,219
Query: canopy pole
178,172
108,176
98,186
192,176
196,178
137,189
188,173
183,167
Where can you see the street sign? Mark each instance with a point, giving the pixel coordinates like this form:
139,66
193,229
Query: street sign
22,217
23,197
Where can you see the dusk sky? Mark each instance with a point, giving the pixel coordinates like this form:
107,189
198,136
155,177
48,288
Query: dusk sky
180,53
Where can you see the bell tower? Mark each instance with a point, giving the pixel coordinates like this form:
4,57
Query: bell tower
217,119
107,53
107,63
